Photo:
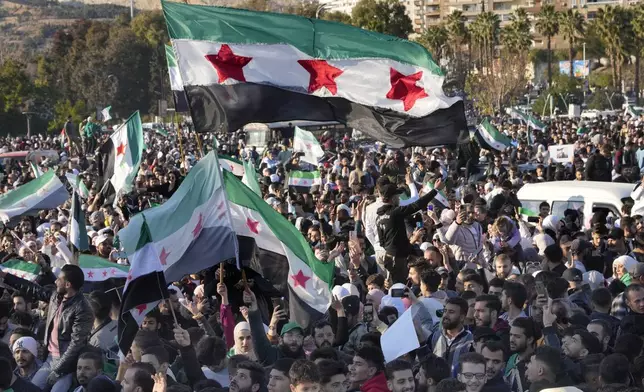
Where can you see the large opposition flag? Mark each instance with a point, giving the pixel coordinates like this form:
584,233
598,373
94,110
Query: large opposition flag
287,259
43,193
105,114
145,287
240,67
120,158
305,142
21,269
231,164
491,138
179,95
98,269
191,231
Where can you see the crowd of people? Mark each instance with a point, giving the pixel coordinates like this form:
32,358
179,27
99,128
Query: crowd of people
499,303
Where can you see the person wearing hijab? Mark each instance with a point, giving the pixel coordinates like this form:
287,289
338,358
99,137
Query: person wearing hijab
243,342
622,267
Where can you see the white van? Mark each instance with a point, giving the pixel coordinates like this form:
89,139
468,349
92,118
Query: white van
587,197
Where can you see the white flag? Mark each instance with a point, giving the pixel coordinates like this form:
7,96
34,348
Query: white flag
105,114
305,142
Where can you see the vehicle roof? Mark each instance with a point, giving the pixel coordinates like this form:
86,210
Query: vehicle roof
554,189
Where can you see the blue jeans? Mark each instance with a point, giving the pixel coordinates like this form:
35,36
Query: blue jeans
40,378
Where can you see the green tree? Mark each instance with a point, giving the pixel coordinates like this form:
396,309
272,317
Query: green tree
435,40
638,34
571,26
304,8
486,30
150,27
65,108
337,16
548,26
456,30
382,16
458,35
516,36
15,86
614,25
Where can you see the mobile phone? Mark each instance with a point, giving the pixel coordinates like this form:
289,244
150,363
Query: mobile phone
419,225
397,293
367,314
541,289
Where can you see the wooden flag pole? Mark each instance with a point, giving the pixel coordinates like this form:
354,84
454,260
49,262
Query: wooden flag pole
221,272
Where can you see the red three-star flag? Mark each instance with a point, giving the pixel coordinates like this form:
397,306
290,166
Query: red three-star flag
239,66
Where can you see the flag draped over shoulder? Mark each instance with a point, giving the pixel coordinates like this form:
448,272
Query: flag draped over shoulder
287,259
491,138
192,231
240,67
179,95
145,286
120,158
43,193
306,143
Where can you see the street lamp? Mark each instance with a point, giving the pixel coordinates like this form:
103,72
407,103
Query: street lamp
28,115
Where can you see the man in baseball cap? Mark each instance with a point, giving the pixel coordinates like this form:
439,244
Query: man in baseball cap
579,292
25,353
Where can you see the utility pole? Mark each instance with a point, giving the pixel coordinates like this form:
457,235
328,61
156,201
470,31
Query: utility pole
131,10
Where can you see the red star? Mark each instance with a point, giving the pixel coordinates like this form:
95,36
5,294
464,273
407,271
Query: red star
120,150
141,308
129,276
228,64
322,73
404,88
104,274
252,225
23,276
90,274
114,272
164,256
199,227
300,279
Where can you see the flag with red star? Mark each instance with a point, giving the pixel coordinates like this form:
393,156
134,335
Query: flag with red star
239,66
285,257
120,158
192,230
305,142
302,182
43,193
21,269
98,269
145,287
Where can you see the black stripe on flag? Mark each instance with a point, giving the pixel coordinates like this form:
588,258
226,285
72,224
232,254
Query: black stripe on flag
274,268
180,101
140,291
230,107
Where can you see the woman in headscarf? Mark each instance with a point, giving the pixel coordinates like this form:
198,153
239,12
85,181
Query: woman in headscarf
622,266
243,342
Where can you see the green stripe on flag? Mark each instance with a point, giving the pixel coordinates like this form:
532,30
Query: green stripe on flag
317,38
527,212
9,199
21,269
287,233
169,56
306,175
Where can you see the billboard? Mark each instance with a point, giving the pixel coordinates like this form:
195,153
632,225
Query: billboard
579,68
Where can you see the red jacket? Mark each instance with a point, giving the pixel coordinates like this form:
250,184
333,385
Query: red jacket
377,383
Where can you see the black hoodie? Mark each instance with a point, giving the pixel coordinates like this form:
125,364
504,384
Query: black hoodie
392,232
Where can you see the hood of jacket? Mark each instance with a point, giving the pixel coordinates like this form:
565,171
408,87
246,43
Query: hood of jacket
384,208
377,383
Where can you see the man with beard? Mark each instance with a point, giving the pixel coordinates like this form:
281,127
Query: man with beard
323,334
400,377
138,378
495,360
503,266
69,323
432,370
249,377
524,334
452,340
90,365
25,353
290,341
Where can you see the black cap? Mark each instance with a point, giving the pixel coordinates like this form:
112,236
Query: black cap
389,191
351,304
616,234
573,275
553,253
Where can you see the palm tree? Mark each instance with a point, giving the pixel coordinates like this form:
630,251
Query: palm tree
548,26
612,23
516,36
456,30
476,38
488,27
571,25
434,39
638,33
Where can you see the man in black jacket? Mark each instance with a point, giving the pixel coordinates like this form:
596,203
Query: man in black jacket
69,323
599,166
392,231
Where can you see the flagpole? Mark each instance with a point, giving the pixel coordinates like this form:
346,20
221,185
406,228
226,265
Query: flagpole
183,158
199,144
